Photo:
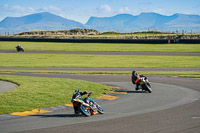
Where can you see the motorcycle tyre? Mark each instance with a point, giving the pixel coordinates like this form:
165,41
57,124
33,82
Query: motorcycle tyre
20,49
84,111
100,109
147,87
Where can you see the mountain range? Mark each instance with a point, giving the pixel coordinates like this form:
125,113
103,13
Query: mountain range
119,23
39,21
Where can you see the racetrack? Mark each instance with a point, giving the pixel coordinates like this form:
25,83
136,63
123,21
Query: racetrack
172,107
6,86
133,104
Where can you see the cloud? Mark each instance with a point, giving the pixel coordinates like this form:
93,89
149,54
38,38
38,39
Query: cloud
18,11
99,11
124,10
52,9
14,11
104,9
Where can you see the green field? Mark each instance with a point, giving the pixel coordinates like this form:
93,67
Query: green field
35,92
193,74
75,60
47,46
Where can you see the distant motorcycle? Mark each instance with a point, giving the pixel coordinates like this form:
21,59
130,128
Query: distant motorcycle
88,106
19,49
144,84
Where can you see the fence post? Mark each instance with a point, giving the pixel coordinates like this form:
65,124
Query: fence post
169,41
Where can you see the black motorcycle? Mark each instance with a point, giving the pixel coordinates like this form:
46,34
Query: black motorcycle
144,84
19,49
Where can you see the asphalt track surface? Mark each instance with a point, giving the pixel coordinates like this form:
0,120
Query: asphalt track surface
173,106
5,86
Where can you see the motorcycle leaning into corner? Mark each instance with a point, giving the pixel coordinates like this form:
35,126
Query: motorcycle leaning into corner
86,106
141,82
19,48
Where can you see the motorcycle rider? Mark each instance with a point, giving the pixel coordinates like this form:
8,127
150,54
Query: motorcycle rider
135,78
77,95
19,47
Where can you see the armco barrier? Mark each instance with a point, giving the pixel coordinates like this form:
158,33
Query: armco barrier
147,41
192,41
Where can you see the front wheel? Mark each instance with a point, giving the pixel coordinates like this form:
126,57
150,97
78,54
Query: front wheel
100,109
147,87
85,111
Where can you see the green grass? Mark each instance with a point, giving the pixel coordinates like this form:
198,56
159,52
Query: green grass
49,46
35,92
194,74
106,72
59,60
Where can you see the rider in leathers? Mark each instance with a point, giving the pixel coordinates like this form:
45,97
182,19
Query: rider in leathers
136,79
77,95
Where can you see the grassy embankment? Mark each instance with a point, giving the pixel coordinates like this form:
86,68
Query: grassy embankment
39,92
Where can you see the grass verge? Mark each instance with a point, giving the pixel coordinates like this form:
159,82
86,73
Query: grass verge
35,92
53,46
195,74
76,60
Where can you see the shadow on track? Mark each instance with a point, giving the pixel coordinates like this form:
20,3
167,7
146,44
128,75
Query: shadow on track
136,91
59,115
121,90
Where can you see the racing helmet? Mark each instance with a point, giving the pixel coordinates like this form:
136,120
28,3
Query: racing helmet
77,90
133,72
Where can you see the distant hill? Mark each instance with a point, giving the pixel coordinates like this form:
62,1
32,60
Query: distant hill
39,21
60,32
146,21
119,23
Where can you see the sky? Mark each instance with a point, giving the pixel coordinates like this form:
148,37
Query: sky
82,10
